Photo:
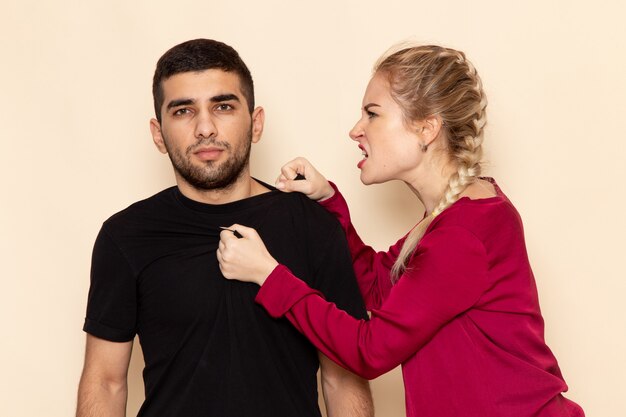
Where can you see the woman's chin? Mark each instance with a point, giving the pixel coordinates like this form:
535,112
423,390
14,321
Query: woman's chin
367,179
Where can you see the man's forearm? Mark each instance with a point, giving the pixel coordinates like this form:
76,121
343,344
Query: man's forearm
353,400
345,394
103,387
99,399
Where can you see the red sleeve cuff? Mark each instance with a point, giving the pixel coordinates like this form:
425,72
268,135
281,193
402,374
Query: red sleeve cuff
334,200
281,291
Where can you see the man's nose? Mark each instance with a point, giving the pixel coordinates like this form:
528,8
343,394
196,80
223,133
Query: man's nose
205,126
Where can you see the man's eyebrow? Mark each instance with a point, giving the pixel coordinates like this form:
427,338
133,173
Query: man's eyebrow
215,99
180,102
370,105
224,97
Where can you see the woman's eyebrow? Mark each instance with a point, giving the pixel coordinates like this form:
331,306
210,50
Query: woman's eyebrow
370,105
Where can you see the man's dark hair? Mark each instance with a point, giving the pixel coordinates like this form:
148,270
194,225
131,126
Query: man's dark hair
199,55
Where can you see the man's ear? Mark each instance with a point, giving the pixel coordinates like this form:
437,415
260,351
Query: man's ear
258,121
157,136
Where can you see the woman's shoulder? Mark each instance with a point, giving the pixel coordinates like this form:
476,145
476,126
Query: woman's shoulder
484,211
481,189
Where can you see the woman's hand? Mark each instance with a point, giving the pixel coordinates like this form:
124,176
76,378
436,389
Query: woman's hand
314,186
246,258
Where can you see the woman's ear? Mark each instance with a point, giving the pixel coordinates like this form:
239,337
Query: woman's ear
429,129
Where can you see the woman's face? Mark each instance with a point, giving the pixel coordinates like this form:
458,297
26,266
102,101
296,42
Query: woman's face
390,149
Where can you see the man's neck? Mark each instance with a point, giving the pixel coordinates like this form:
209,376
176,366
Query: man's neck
243,188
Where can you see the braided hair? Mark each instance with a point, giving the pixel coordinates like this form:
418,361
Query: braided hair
433,80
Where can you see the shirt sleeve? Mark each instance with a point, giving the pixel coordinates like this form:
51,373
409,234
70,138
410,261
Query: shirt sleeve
446,276
334,276
372,268
111,304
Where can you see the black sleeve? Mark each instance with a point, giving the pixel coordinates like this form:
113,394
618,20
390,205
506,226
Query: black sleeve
112,302
334,275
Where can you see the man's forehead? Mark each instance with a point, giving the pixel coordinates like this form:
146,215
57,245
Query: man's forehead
210,82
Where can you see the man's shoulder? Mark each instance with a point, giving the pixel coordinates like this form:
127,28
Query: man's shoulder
306,209
306,220
142,209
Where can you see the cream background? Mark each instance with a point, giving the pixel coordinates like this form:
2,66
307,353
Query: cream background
75,86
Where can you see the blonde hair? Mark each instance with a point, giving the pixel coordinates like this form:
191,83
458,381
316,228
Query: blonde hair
433,80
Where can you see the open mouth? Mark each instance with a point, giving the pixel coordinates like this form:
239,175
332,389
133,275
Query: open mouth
365,156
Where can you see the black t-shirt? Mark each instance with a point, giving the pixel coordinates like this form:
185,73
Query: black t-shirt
209,350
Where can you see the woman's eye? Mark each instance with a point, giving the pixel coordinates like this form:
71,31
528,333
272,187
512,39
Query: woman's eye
370,114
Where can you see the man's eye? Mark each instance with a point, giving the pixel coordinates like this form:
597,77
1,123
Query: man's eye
224,107
180,112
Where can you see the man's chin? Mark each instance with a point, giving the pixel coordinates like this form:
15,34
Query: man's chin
212,183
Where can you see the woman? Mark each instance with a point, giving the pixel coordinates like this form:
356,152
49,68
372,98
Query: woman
454,301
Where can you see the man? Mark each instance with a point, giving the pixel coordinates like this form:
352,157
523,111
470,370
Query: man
209,350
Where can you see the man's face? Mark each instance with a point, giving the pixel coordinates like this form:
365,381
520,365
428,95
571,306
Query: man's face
206,128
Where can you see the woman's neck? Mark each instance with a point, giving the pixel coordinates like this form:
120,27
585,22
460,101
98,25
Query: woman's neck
430,184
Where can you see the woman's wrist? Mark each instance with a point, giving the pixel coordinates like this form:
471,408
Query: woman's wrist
330,199
327,193
266,272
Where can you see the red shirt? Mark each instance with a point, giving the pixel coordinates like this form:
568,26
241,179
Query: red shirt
463,320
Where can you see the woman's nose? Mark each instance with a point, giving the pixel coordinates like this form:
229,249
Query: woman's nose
357,131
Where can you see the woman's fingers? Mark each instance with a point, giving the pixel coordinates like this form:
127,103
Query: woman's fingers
301,176
242,255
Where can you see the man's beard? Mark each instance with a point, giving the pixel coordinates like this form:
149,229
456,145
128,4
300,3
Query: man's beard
210,176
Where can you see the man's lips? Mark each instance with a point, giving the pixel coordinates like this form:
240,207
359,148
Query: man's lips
208,154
